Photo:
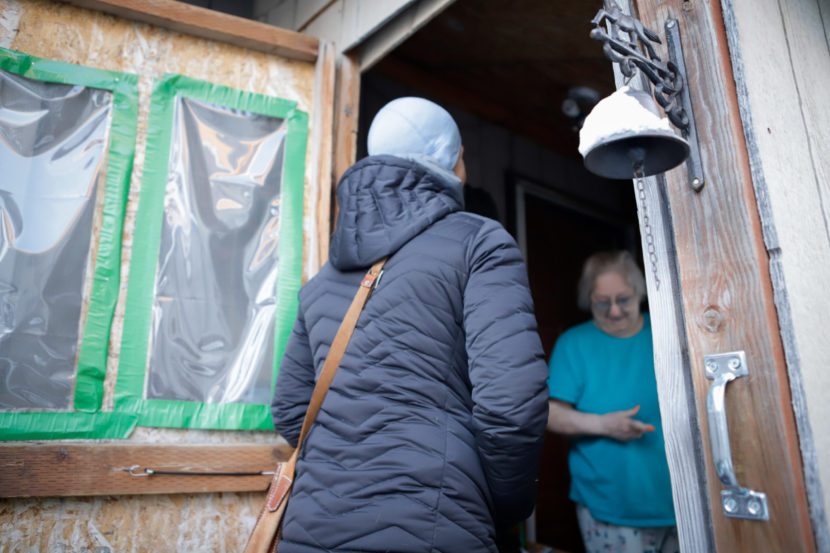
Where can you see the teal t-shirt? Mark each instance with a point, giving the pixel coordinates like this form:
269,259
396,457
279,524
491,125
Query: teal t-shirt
622,483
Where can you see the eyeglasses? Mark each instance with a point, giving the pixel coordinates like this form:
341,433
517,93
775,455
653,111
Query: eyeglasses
605,305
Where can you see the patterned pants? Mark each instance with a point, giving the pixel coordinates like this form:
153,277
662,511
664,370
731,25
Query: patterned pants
601,537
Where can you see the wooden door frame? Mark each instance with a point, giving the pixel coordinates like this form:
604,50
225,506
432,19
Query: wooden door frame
695,315
678,411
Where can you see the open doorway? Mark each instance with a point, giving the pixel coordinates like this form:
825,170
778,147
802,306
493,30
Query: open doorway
505,69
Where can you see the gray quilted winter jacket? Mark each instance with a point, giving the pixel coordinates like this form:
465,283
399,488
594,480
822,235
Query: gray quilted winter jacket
432,429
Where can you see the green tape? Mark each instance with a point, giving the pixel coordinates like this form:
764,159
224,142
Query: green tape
92,360
146,241
291,230
66,426
129,393
60,72
191,414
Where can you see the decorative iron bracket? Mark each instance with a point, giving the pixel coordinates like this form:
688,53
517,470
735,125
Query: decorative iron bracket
628,43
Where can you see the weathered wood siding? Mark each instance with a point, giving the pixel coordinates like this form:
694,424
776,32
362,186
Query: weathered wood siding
781,60
344,22
372,28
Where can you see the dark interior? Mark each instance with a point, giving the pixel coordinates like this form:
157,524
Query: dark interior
504,68
510,62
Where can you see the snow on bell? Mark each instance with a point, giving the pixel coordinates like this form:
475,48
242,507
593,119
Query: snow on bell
624,137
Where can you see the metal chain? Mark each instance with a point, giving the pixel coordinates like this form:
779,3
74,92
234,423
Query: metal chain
650,248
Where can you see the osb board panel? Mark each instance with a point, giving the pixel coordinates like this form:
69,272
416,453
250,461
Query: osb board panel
204,523
74,35
213,25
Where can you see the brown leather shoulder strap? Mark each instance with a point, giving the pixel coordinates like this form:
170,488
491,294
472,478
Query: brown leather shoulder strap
338,347
265,534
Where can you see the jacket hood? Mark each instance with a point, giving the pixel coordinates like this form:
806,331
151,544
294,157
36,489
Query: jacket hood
385,201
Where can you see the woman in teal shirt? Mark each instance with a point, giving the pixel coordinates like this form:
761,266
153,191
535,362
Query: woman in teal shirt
604,397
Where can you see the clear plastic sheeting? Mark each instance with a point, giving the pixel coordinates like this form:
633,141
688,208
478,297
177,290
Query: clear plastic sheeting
53,139
212,329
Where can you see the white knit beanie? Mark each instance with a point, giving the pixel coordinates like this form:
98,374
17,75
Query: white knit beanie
411,125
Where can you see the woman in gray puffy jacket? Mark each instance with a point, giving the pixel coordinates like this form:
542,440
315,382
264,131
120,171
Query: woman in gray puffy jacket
431,432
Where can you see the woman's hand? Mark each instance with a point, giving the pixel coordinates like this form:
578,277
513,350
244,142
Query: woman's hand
620,425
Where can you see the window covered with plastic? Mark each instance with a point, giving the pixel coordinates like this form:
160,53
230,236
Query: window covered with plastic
67,139
203,306
213,312
53,140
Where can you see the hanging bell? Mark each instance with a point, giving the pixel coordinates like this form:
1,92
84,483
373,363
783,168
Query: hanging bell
624,137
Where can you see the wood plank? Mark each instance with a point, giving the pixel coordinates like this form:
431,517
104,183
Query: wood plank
205,23
408,17
350,23
787,128
672,368
681,426
347,103
322,150
727,295
309,10
60,470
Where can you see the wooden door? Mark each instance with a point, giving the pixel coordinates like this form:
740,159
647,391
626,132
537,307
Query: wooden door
710,291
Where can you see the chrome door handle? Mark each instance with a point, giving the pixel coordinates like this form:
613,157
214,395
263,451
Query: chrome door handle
737,502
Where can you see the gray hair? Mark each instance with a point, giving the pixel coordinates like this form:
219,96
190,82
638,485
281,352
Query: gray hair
619,261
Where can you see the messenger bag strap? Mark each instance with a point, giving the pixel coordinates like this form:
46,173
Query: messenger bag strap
265,533
338,346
